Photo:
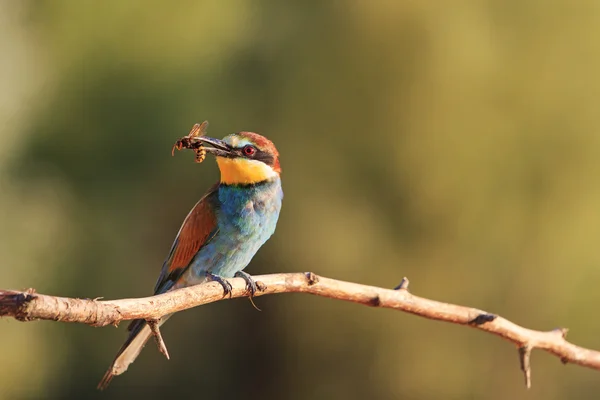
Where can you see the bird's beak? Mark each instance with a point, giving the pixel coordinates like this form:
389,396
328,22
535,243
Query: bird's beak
217,147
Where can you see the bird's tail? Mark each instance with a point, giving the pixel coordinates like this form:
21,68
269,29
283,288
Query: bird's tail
139,333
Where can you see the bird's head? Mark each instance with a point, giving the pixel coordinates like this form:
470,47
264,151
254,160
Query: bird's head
244,158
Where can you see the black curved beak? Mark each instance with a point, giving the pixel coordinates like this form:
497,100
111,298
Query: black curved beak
217,147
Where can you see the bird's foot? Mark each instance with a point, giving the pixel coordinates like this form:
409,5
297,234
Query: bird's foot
251,286
250,283
226,285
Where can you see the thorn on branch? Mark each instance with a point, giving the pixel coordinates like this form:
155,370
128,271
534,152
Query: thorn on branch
403,284
482,319
525,359
311,278
153,324
95,299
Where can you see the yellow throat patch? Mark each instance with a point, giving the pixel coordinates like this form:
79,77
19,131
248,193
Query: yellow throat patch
239,171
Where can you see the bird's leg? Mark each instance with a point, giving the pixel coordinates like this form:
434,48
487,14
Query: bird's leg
251,286
226,285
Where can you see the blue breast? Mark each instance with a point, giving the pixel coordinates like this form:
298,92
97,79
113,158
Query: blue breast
246,219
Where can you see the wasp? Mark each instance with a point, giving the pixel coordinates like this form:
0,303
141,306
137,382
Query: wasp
190,141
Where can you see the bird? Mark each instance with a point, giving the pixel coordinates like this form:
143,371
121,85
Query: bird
223,231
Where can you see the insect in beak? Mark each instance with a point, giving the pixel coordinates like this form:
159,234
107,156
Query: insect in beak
191,141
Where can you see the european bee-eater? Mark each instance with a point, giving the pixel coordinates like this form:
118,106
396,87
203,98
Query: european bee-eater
222,232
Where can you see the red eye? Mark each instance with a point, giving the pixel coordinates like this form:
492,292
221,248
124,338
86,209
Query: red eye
249,150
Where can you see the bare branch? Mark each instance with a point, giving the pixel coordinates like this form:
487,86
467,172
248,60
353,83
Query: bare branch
28,306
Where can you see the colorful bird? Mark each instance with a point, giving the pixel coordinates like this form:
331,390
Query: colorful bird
223,231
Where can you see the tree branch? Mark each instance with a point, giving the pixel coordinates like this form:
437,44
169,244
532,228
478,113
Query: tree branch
28,306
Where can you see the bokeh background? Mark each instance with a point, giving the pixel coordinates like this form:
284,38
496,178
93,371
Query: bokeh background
457,145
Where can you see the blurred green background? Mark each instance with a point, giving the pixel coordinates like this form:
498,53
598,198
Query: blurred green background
456,145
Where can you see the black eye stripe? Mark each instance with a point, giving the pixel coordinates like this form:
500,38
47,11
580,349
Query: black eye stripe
264,157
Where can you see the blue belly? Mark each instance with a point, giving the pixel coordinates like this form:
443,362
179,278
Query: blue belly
246,219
